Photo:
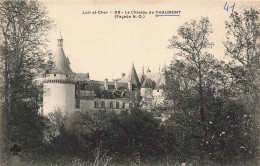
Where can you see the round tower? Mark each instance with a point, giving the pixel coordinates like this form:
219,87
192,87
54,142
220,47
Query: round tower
59,85
147,88
158,92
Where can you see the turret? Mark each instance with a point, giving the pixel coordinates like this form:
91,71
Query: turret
59,85
158,92
147,88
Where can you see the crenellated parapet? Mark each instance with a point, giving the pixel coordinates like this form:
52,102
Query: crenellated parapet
59,78
63,81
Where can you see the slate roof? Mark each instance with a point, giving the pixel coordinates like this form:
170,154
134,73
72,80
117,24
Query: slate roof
81,76
122,85
61,63
153,76
125,79
160,83
133,78
98,88
148,83
141,77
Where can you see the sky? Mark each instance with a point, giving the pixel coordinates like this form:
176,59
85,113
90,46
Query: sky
106,46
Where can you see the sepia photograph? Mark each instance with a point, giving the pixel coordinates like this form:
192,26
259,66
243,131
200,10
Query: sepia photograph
129,83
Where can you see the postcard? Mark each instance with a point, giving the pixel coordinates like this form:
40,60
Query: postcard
130,82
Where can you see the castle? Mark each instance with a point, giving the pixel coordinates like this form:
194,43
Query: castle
68,91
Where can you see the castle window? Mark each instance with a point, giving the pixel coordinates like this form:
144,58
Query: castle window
123,105
130,105
111,104
95,104
103,104
117,105
66,75
54,75
157,90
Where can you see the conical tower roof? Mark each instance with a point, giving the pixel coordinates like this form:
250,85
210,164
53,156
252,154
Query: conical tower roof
133,78
61,65
142,79
148,83
68,60
160,83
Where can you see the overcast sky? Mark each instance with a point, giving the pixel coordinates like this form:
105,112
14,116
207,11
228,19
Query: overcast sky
105,47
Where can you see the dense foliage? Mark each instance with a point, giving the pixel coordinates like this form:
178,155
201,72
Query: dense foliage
126,137
214,104
23,30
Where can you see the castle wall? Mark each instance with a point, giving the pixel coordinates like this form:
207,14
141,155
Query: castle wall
89,105
146,92
86,105
58,96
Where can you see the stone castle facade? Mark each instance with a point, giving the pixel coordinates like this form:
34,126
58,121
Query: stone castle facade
68,91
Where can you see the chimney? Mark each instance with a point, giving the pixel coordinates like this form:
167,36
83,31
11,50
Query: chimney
116,85
148,70
106,84
130,88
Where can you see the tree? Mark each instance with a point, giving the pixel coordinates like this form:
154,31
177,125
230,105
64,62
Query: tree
210,121
24,26
242,45
229,125
23,31
192,45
